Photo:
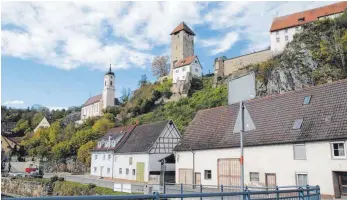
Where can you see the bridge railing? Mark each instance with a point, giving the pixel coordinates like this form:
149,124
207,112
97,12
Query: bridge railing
301,193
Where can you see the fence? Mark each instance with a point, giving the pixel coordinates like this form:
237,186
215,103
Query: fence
283,193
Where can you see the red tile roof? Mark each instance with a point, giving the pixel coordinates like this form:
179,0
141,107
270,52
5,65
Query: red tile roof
93,99
182,26
309,16
186,61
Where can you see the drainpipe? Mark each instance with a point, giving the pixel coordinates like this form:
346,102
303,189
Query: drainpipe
193,167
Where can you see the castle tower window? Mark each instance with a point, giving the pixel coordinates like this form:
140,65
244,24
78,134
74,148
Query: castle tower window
111,83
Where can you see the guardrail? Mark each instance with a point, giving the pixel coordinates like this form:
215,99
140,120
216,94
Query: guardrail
301,193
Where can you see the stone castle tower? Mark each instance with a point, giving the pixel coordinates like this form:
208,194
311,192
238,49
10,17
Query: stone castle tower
108,94
182,44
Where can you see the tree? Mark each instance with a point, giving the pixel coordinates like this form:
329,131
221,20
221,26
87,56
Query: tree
102,125
83,153
125,95
143,80
37,119
22,125
61,149
160,66
54,132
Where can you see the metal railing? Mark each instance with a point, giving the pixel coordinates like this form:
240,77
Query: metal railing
278,193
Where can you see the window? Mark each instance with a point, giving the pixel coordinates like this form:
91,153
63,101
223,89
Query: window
208,174
301,179
254,176
301,19
104,157
183,77
285,30
277,39
177,71
299,151
111,83
178,36
277,32
286,37
196,61
130,160
109,157
99,144
297,124
115,158
196,70
184,69
96,157
307,100
108,170
178,158
127,171
95,168
338,149
120,170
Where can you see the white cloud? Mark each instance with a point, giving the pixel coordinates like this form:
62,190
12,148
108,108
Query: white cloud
68,35
14,102
220,45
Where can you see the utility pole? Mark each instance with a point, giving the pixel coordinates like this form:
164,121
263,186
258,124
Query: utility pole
242,107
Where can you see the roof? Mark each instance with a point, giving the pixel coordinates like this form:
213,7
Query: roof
92,100
114,133
182,26
310,15
143,137
273,117
110,72
186,61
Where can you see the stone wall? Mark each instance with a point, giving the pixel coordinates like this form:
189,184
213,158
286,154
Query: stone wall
23,188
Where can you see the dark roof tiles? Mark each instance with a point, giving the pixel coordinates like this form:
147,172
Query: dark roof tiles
274,118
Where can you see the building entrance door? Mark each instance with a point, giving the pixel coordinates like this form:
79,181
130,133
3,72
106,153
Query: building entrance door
140,172
270,180
197,178
101,170
343,183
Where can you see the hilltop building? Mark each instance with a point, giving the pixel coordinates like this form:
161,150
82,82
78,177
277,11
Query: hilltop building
300,138
94,105
184,63
281,32
284,28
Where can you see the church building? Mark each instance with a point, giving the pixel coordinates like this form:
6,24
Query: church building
94,105
184,63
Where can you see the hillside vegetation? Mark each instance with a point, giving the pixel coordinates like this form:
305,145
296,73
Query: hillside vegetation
316,55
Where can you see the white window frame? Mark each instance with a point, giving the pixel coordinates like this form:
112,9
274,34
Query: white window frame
109,156
108,170
250,176
133,172
96,157
301,173
278,39
294,151
286,38
332,150
206,174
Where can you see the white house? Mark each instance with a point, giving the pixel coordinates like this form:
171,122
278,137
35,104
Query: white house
187,65
133,152
283,28
300,138
43,124
94,105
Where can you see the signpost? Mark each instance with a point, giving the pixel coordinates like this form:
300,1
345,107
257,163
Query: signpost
242,89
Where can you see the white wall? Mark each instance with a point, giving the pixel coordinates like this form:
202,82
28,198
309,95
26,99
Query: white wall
278,47
277,159
180,73
196,69
122,161
108,93
102,160
91,110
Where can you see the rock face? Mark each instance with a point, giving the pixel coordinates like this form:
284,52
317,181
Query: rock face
68,165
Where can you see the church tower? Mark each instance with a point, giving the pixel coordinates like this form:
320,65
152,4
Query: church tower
108,93
182,44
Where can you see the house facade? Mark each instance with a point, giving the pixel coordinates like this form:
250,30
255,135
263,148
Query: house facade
132,153
284,28
300,138
189,65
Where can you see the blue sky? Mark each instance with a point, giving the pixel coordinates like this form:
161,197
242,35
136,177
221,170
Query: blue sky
56,53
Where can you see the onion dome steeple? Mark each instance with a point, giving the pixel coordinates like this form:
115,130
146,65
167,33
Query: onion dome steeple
110,72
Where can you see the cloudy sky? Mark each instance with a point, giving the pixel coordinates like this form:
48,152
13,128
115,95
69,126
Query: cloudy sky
55,53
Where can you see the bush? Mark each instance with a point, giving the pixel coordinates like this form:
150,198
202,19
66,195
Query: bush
91,186
61,179
54,179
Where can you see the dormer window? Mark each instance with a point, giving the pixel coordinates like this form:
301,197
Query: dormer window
113,143
302,19
99,144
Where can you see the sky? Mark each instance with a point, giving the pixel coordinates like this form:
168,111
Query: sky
55,54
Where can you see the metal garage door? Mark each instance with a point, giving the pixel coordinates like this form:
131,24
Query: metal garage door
185,176
229,172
